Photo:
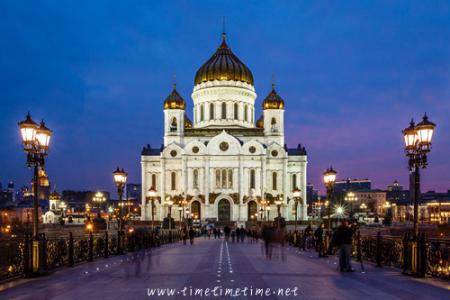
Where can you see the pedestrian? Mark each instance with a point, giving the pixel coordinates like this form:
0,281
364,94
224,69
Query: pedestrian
343,239
243,232
233,236
227,231
320,243
238,234
184,235
191,235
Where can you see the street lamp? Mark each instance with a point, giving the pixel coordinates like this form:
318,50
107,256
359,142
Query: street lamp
120,179
329,178
351,197
63,207
296,193
180,211
268,212
169,204
417,145
152,196
278,203
98,199
36,141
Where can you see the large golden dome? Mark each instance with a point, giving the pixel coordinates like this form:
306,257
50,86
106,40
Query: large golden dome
273,100
224,65
174,100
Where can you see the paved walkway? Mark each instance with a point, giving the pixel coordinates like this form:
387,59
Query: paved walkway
215,263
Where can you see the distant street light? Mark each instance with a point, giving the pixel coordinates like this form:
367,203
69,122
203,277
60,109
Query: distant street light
296,193
120,179
152,196
329,178
36,141
351,197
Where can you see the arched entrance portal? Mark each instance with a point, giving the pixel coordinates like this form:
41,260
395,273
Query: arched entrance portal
195,210
252,211
224,211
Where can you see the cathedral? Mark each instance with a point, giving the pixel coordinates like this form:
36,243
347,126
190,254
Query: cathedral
224,165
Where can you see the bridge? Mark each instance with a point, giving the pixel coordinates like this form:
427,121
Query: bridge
213,266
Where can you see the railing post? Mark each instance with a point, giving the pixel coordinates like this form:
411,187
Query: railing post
106,250
422,256
358,246
27,256
91,247
71,258
379,252
406,256
44,252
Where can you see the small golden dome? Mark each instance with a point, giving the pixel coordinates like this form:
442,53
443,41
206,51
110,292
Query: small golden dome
187,122
224,65
273,100
174,100
260,122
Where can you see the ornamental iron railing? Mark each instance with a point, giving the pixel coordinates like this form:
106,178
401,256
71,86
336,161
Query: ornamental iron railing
69,250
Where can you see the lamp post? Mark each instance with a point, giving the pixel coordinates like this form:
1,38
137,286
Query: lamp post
169,204
99,198
180,211
63,207
35,140
120,179
268,212
296,193
329,178
278,203
351,197
417,145
151,196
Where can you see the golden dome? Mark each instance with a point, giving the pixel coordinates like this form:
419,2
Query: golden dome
187,122
273,100
174,100
260,122
224,65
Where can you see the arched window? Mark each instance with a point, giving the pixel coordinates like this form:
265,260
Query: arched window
211,111
202,113
245,113
236,111
173,125
153,181
252,179
224,110
294,181
173,181
251,115
195,179
230,178
274,181
273,124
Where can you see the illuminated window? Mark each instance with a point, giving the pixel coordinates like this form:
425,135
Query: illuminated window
195,178
224,178
173,125
252,179
173,181
211,111
274,181
202,113
153,181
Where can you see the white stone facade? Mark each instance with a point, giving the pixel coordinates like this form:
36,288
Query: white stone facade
223,164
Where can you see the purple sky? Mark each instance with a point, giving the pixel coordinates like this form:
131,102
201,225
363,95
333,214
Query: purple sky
352,74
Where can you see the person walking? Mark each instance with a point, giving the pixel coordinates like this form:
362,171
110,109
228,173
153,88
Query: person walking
320,245
343,239
243,232
233,236
184,235
226,232
238,234
191,235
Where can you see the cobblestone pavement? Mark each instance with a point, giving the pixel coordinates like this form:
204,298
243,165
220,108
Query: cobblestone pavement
222,267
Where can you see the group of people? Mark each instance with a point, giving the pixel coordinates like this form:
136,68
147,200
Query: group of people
185,234
324,242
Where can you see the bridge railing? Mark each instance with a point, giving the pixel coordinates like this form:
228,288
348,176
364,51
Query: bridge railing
70,250
395,251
